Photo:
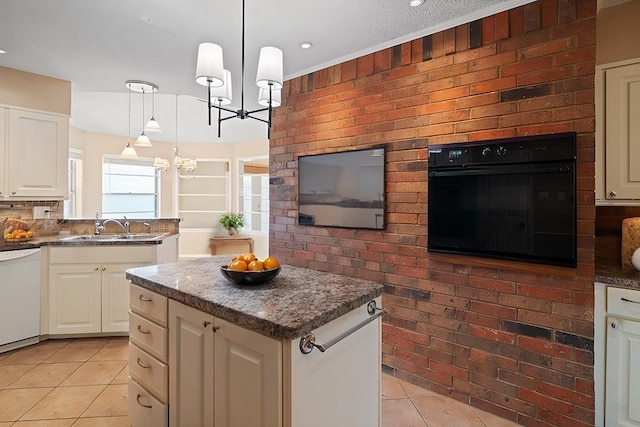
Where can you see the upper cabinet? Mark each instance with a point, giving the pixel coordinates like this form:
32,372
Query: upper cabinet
618,133
35,155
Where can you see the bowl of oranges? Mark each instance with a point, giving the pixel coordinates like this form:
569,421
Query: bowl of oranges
247,269
16,230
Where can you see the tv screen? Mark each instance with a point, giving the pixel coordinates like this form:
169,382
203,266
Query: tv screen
344,189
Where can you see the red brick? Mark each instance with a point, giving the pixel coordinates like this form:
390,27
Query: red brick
545,401
492,334
532,18
416,51
550,48
488,30
545,347
544,292
527,118
477,124
365,66
449,41
494,110
549,11
502,25
516,22
499,311
526,66
545,76
382,60
462,37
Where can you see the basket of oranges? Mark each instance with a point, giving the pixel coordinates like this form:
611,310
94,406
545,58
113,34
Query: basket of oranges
16,230
248,270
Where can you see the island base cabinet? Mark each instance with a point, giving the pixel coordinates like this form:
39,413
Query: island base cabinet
191,378
144,409
341,386
623,373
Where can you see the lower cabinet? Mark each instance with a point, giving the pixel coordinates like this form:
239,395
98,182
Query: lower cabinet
88,290
622,356
221,374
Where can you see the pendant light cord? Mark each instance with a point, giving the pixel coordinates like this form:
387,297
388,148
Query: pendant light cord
129,132
143,111
242,82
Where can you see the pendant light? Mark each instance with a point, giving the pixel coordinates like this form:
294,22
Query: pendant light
129,151
153,125
142,87
210,72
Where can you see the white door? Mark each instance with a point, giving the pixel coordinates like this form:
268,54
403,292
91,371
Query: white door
190,366
115,297
623,373
622,131
38,153
248,378
74,299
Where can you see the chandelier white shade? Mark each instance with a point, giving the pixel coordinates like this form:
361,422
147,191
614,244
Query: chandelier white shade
209,68
210,72
222,95
276,97
143,141
129,152
269,68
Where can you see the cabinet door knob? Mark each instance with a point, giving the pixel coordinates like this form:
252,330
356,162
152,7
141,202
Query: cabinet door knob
104,268
96,269
612,193
13,193
615,325
215,328
206,323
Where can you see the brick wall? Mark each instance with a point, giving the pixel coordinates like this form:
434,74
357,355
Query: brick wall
512,338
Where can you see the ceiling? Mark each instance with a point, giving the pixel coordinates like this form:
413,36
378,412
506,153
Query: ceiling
98,45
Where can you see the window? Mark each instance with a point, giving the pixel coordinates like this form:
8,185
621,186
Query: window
204,198
73,206
254,194
130,187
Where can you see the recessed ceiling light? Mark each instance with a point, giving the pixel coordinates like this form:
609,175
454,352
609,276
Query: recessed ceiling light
415,3
306,45
2,51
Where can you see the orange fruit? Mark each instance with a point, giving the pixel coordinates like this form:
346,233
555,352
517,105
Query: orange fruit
256,265
270,262
238,265
249,257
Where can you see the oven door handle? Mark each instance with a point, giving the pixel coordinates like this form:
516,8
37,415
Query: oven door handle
502,170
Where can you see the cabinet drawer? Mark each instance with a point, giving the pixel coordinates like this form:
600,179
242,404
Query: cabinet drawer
144,409
149,304
148,336
623,302
149,372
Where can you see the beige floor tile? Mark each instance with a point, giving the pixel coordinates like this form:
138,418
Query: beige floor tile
441,411
5,424
46,423
10,373
391,388
64,402
34,354
493,420
114,350
95,373
400,413
112,401
103,422
14,403
46,375
414,391
123,376
78,351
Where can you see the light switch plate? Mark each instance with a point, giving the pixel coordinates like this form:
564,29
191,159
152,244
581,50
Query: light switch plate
41,212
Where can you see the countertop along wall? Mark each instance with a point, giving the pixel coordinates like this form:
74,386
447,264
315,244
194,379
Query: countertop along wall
512,338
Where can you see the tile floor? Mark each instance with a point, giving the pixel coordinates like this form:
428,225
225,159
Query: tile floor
83,383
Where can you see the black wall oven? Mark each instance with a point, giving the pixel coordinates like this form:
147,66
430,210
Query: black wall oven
510,199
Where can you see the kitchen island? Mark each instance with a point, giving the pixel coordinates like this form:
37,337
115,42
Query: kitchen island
235,354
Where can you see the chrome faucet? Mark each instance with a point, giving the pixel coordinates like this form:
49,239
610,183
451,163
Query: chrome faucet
126,227
97,228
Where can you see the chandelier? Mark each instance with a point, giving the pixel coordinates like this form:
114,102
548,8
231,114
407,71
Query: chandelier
210,72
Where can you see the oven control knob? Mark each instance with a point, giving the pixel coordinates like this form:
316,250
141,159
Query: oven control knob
501,151
486,152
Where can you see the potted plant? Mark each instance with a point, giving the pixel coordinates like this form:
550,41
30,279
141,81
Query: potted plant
231,222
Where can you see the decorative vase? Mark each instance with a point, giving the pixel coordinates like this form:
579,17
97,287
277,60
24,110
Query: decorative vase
232,231
635,259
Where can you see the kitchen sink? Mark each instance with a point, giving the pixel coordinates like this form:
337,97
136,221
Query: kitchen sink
114,237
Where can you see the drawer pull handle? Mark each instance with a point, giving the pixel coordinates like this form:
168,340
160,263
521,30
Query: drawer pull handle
142,364
629,300
615,325
142,404
142,331
144,299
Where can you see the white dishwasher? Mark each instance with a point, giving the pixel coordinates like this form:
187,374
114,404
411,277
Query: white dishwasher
19,298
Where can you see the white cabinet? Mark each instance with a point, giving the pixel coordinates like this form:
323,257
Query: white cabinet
36,155
191,377
221,374
248,377
4,130
618,132
622,401
148,359
88,290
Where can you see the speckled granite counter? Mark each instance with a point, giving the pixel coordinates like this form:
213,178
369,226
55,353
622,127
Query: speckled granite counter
297,301
57,241
616,275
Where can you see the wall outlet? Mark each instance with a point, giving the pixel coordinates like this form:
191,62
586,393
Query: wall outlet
41,212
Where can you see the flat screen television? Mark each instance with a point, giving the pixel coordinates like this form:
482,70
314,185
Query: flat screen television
343,189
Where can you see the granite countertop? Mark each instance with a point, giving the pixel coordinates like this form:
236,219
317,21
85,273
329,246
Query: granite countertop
57,240
616,275
297,301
